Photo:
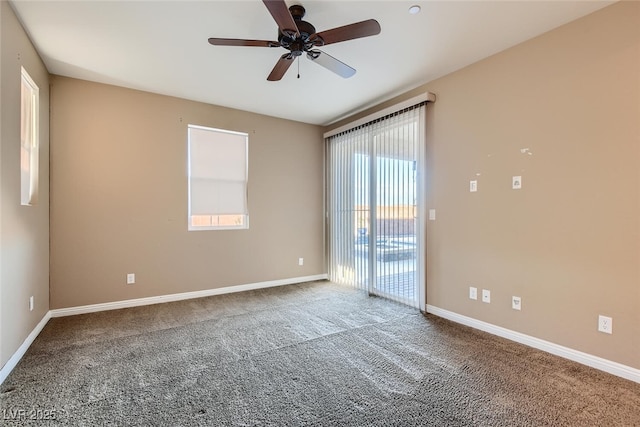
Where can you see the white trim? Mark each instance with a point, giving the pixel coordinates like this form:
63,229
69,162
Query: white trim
61,312
423,97
13,361
605,365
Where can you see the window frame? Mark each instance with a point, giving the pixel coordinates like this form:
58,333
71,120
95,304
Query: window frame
29,153
245,215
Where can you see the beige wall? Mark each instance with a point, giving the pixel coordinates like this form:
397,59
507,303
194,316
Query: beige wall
119,197
568,242
24,230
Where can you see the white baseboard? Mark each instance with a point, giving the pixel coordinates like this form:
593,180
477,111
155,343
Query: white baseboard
13,361
61,312
605,365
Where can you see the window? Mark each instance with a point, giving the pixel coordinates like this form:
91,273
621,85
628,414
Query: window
218,169
29,107
376,206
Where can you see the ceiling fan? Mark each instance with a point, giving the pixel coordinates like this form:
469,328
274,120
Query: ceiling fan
298,37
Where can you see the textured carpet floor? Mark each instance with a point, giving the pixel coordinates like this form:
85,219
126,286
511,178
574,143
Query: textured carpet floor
309,354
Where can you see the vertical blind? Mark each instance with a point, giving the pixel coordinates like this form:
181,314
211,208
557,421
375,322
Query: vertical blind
375,230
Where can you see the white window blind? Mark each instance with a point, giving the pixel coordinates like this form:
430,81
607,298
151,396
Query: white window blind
29,107
217,178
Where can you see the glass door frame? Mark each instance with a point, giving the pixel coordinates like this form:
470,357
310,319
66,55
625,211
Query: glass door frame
420,218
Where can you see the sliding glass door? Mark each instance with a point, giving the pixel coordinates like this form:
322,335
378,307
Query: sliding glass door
375,203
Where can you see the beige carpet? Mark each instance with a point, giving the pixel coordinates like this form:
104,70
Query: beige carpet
310,354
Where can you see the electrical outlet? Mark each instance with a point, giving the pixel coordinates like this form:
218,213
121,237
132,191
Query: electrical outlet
131,279
300,261
605,324
486,296
516,303
473,293
31,303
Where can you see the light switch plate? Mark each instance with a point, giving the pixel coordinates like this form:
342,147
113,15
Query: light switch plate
473,186
473,293
516,182
131,278
516,303
432,214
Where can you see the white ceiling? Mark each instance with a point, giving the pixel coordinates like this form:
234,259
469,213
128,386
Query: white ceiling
161,47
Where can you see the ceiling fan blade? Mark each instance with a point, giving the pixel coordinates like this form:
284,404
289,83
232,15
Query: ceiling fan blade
331,63
281,67
240,42
280,13
347,32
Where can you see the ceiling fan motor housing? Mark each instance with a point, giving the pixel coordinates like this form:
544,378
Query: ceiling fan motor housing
298,45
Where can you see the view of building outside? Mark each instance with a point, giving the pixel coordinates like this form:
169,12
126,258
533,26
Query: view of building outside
395,223
374,176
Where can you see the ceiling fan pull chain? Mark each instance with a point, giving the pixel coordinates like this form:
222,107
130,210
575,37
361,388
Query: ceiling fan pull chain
298,67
